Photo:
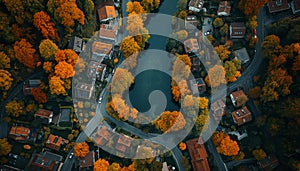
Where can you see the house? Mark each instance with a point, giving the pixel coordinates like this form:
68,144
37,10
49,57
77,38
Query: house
46,161
196,64
29,85
242,55
237,30
278,5
123,143
218,109
55,142
44,116
96,71
224,8
295,5
101,50
197,86
191,23
207,27
198,154
101,72
236,96
102,136
87,161
241,116
107,12
196,5
76,43
269,163
63,119
19,133
108,32
191,45
238,135
83,90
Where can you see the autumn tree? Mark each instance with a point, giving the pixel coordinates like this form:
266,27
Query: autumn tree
81,149
67,55
255,92
242,100
251,7
179,90
181,4
239,156
57,86
224,29
222,51
14,108
231,69
64,70
129,46
202,120
121,81
182,35
123,110
5,147
224,144
25,53
216,76
218,22
182,146
48,67
135,7
296,61
203,102
17,10
252,22
150,5
4,61
101,165
259,154
181,68
5,80
114,167
270,46
38,95
48,49
42,21
185,59
170,121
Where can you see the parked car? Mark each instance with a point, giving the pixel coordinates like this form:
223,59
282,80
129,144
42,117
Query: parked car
254,33
71,155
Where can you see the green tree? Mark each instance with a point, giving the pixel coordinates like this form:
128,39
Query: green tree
218,22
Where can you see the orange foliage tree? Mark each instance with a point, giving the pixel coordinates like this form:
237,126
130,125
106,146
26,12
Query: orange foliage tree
38,95
47,66
216,76
25,53
101,165
81,149
42,21
135,7
170,121
179,90
64,70
182,146
123,110
67,55
129,46
251,7
57,86
181,68
121,81
224,144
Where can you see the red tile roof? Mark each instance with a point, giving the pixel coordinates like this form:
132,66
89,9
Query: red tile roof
198,155
224,8
218,109
43,113
19,133
241,116
87,161
55,142
108,31
101,48
107,12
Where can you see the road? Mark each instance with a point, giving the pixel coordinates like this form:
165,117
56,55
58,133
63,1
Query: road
234,163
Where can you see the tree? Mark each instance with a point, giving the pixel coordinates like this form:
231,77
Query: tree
183,88
101,165
25,53
67,55
255,92
231,69
81,149
64,70
222,51
217,137
38,95
48,49
218,22
203,102
181,4
259,154
182,146
57,86
216,76
228,147
296,62
114,167
202,121
251,7
135,7
185,59
242,100
123,110
48,67
5,147
188,101
252,22
14,108
224,29
4,61
270,46
239,156
121,81
42,21
181,68
5,80
150,5
182,35
129,46
170,121
17,10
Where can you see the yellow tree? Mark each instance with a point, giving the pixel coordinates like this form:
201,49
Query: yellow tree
216,76
81,149
185,59
48,49
57,86
259,154
129,46
222,51
14,108
5,80
150,5
114,167
203,102
101,165
170,121
121,81
135,7
181,70
5,147
4,61
228,147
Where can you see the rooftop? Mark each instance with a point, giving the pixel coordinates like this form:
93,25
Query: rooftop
242,116
278,5
55,142
43,113
109,31
107,12
101,48
242,55
224,8
87,161
191,45
237,30
19,131
198,155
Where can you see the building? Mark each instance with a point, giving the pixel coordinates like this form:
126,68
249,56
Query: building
278,6
83,91
242,55
102,136
87,161
123,143
191,45
207,27
29,85
197,86
107,12
224,8
196,5
44,116
63,119
191,23
196,64
76,43
235,96
55,142
269,163
237,30
218,109
295,5
100,50
101,72
241,116
198,155
19,133
108,32
96,71
46,161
